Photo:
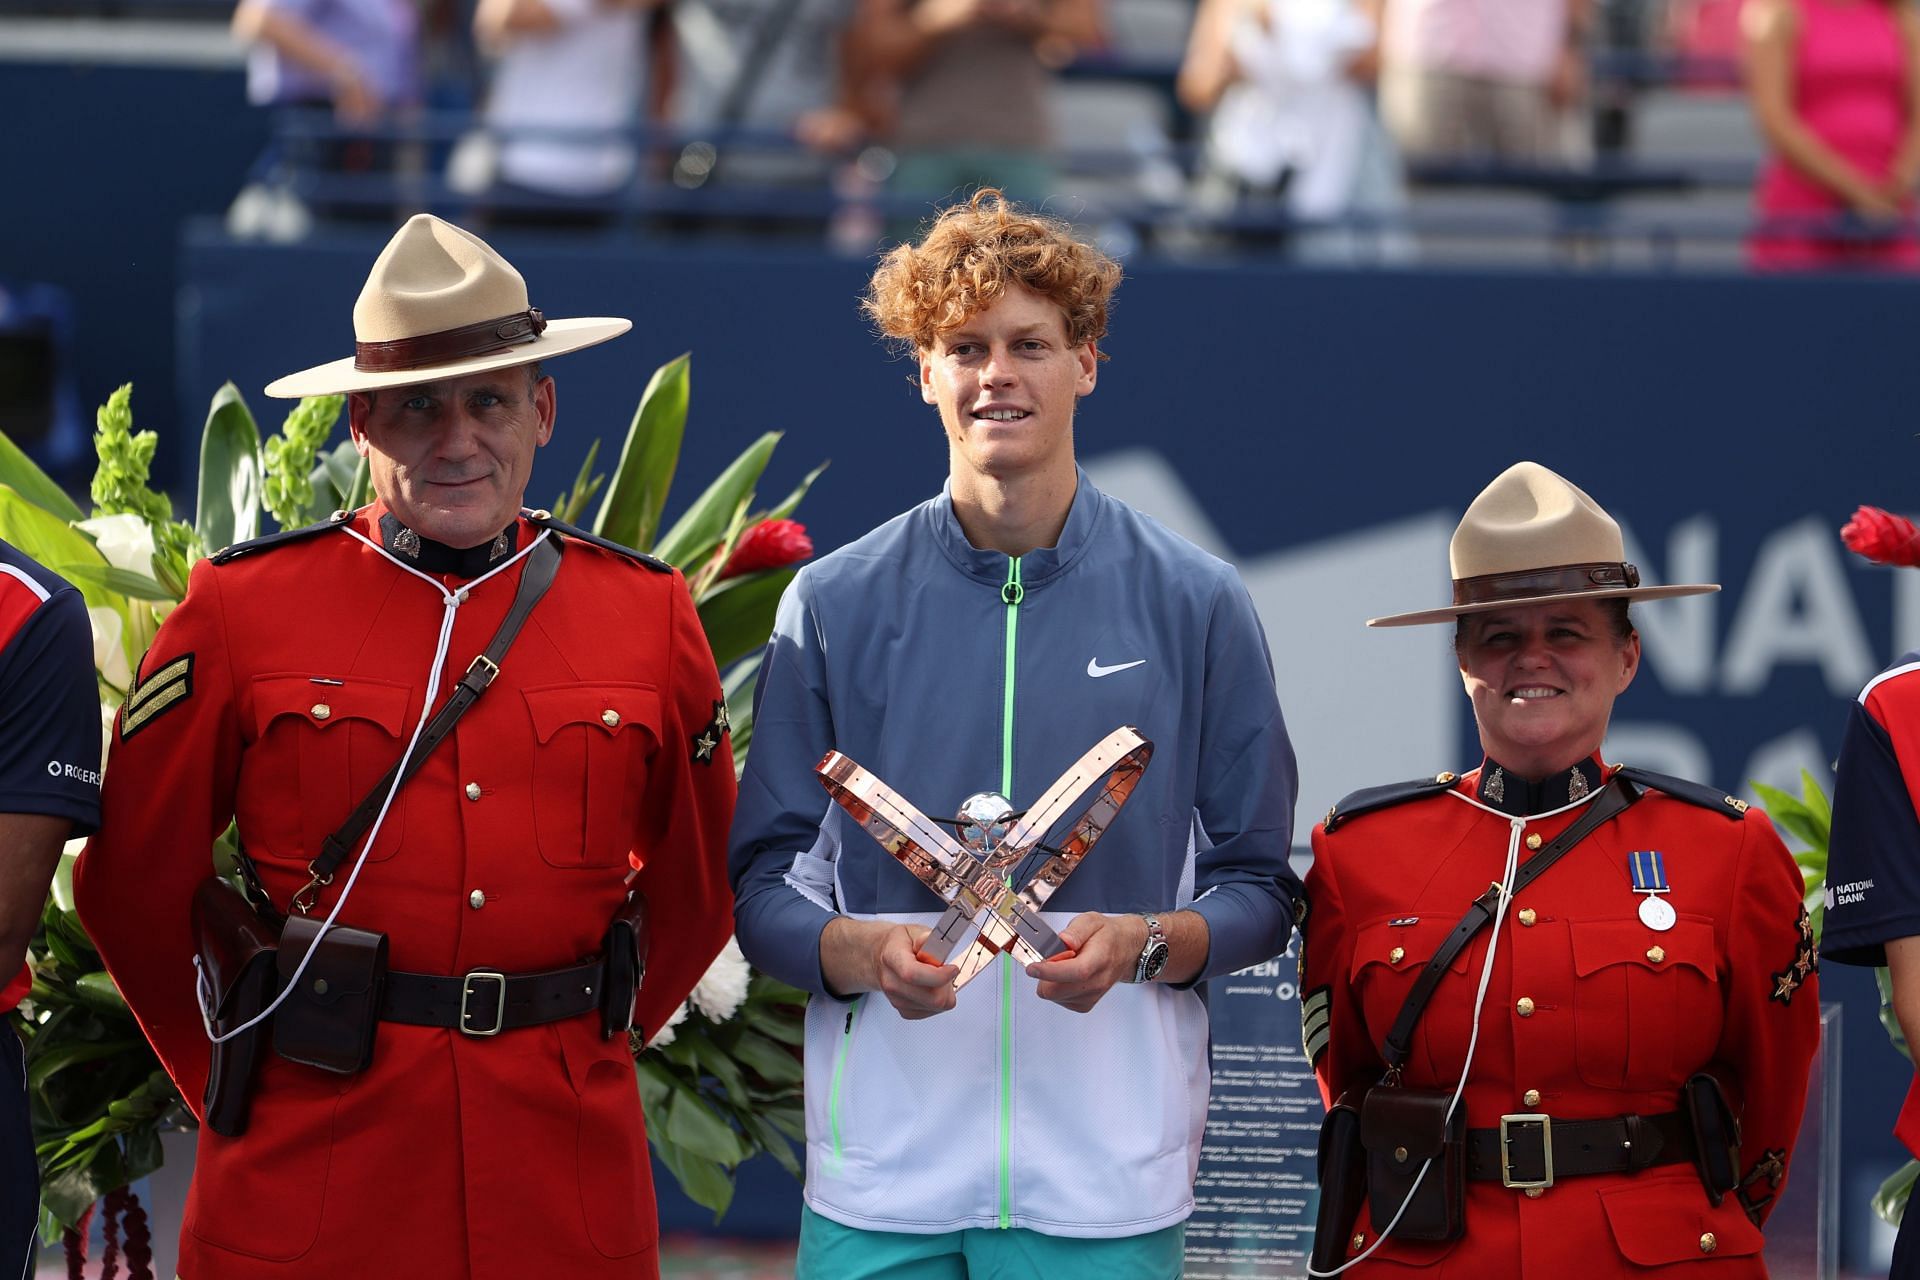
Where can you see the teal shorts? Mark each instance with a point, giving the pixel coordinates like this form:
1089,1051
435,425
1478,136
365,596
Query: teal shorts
831,1251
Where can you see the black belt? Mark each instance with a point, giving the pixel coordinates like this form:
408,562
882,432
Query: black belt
487,1002
1533,1150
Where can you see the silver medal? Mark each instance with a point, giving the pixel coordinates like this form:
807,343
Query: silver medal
1657,913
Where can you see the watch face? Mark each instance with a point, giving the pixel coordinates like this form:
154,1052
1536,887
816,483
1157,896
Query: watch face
1153,962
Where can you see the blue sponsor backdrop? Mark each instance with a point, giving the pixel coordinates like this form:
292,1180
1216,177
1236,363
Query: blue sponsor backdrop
1323,431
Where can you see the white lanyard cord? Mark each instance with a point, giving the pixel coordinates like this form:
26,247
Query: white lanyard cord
450,603
1515,827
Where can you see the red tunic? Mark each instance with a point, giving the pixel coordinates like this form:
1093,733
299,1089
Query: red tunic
517,1155
1613,1026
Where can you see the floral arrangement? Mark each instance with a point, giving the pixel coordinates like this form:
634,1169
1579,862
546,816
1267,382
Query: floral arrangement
721,1083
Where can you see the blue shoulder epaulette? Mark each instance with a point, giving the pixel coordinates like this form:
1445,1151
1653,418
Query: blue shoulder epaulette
1692,792
546,520
1367,799
338,520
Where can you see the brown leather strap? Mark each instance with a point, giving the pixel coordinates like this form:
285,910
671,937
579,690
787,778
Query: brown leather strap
1490,588
447,345
1616,1144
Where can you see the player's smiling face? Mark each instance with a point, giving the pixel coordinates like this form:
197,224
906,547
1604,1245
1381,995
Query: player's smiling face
1005,381
1542,679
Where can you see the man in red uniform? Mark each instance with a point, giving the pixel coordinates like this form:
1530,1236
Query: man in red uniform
496,1133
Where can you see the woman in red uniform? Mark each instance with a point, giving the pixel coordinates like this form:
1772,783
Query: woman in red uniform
1835,92
1624,1040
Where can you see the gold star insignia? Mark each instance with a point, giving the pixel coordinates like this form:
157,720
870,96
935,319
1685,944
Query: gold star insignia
707,741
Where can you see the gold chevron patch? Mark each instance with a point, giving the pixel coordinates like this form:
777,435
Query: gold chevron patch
165,689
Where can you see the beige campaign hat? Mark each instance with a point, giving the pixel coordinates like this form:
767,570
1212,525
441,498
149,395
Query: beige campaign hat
440,303
1532,537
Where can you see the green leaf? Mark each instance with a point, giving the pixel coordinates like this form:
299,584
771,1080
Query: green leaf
144,1153
1890,1201
362,491
738,614
341,464
706,522
772,1061
704,1181
52,541
67,1195
98,990
630,513
786,1030
1887,1018
770,1140
1791,815
692,1124
21,474
792,500
229,509
98,573
1816,798
716,1063
43,1064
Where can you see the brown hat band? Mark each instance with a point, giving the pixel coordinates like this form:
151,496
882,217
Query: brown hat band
448,345
1565,579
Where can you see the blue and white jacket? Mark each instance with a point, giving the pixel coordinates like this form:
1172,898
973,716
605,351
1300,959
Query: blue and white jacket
948,670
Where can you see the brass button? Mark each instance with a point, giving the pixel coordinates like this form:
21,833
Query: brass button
1359,1239
1527,917
610,717
1656,954
1533,841
1400,1154
1707,1243
1443,778
1524,1006
476,899
473,791
1531,1097
319,986
1396,955
1534,1193
321,711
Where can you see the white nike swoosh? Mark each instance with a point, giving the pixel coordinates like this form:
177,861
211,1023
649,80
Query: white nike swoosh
1095,670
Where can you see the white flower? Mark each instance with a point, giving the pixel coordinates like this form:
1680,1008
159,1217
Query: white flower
719,993
126,541
109,654
664,1036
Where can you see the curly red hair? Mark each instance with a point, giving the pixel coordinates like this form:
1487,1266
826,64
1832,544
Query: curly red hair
969,256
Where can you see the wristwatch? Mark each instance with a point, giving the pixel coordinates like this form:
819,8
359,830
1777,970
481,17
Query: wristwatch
1153,956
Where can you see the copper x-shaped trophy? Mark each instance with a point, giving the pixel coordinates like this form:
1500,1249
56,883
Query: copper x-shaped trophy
973,873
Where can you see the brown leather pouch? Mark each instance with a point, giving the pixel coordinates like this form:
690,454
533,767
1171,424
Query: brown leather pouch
329,1020
623,965
1342,1167
236,950
1401,1130
1716,1135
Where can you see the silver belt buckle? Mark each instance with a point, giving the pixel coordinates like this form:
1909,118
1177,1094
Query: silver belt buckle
1545,1123
500,1005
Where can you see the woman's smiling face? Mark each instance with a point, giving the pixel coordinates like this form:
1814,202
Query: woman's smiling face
1542,679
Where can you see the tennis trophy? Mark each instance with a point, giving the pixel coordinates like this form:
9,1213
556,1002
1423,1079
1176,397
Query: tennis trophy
973,870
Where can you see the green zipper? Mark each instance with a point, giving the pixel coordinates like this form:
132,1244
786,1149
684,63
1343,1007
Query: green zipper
1010,595
839,1064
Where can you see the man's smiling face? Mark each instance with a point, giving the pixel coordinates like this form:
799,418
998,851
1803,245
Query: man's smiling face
451,459
1006,381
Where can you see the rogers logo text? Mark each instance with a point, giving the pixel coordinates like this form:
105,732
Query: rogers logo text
57,770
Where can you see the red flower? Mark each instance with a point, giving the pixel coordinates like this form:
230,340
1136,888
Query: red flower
771,544
1882,537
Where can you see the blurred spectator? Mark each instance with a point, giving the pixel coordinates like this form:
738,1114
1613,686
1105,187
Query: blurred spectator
1292,128
768,67
360,57
1833,90
1483,79
565,97
972,78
